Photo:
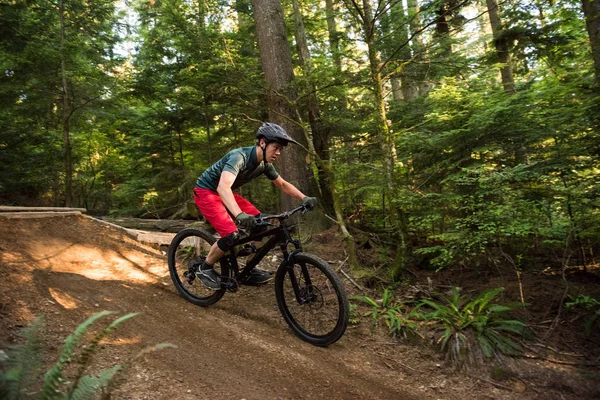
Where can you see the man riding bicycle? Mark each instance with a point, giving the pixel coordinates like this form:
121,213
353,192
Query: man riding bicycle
218,204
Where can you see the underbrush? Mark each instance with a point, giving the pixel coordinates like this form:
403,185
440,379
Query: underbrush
468,329
66,379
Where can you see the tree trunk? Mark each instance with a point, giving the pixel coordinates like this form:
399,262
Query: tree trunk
66,111
442,29
386,140
334,37
282,95
320,133
336,53
396,88
409,71
418,50
591,10
501,45
242,8
321,141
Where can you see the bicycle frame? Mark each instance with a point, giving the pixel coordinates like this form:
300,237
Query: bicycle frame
279,235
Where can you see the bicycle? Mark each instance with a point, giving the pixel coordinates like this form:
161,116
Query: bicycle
310,295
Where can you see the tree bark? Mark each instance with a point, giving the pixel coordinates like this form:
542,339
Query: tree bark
320,133
418,50
396,88
66,112
244,20
501,45
442,29
282,95
321,141
397,216
591,10
334,37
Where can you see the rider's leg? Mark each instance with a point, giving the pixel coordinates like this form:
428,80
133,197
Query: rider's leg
206,273
214,254
212,208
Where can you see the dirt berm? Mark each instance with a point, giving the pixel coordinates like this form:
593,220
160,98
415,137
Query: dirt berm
70,267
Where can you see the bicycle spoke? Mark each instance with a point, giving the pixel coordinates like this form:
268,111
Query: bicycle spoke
316,310
186,253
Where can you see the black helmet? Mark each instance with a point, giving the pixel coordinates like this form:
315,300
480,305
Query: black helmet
274,133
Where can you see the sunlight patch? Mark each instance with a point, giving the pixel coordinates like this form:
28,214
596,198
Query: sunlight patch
64,299
122,341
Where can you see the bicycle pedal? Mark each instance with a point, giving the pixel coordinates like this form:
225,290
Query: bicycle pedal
230,284
191,277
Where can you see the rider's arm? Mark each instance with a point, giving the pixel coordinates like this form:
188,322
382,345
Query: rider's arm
288,188
224,190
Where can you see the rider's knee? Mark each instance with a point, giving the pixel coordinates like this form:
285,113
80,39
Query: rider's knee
227,242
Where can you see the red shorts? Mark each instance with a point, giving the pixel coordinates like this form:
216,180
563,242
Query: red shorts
214,211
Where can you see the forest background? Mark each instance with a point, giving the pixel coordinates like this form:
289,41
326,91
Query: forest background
454,132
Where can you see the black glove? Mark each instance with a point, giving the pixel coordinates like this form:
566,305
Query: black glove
245,220
309,202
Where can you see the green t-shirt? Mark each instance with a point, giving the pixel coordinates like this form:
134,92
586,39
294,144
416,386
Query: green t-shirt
241,162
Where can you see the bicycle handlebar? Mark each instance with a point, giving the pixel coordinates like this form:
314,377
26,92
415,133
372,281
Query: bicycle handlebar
284,215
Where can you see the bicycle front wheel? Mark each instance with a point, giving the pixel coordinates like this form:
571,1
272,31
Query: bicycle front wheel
187,251
312,299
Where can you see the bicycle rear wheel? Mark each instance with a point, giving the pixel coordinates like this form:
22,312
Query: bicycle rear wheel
187,251
312,300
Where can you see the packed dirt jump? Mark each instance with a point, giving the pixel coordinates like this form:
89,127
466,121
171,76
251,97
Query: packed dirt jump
70,267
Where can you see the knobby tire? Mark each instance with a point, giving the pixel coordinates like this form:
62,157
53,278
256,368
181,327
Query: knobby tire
192,246
323,319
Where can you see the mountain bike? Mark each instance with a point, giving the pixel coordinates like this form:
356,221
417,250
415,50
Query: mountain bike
310,295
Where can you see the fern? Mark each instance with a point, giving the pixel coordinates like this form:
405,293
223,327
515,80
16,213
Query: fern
464,324
112,383
54,377
399,318
90,350
24,363
88,385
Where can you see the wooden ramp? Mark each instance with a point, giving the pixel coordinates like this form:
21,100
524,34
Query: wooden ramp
147,237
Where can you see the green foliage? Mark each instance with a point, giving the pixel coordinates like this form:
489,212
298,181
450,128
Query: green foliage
479,174
471,328
591,309
24,365
354,314
399,318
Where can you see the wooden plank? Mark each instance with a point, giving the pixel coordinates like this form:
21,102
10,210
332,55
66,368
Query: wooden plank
161,238
4,209
21,215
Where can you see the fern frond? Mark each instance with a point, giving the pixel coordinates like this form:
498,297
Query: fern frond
24,362
89,385
86,356
54,376
114,380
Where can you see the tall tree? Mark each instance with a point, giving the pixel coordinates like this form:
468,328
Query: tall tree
334,36
368,20
501,45
321,138
63,60
282,95
591,10
320,132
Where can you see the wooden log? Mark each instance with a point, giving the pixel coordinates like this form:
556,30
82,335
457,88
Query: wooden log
47,214
4,209
156,225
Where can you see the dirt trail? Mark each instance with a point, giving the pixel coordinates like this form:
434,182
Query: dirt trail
68,268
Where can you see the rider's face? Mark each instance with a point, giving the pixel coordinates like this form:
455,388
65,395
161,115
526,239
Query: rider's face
273,151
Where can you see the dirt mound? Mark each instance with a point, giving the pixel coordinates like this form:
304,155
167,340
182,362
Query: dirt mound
68,268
